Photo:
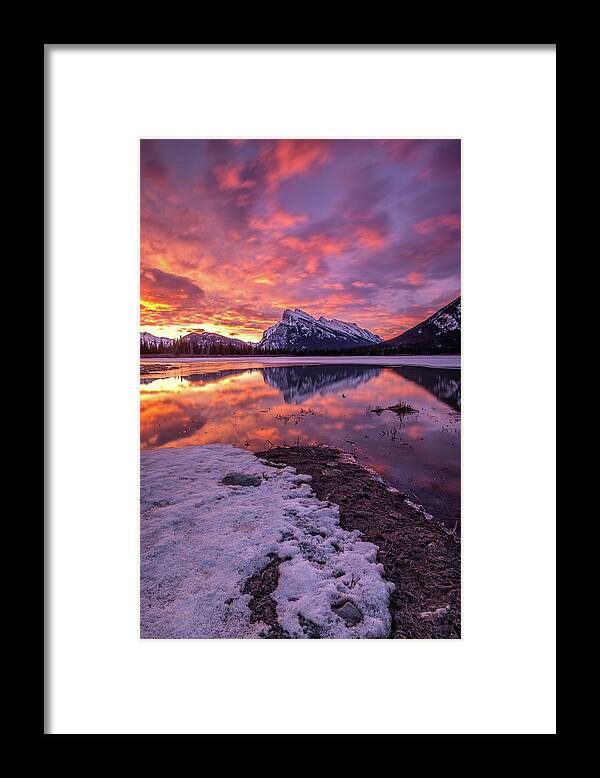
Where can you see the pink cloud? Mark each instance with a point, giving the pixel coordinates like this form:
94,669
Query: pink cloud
229,177
294,157
318,243
369,238
402,150
276,222
415,279
448,221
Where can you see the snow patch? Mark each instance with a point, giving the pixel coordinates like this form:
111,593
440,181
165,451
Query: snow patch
201,540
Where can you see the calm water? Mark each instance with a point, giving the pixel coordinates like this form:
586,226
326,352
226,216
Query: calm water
287,405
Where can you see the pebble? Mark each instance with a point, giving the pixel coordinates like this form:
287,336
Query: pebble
349,612
241,479
435,615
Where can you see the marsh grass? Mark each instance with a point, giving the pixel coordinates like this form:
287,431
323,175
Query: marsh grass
400,409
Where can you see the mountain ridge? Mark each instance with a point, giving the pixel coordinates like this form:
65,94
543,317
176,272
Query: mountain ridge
299,333
441,330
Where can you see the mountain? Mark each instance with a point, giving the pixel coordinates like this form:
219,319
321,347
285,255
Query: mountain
211,343
194,343
440,332
148,339
298,331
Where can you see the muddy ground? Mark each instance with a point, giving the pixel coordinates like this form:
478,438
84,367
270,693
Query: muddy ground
419,555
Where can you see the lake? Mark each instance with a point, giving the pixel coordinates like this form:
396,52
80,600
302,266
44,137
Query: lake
264,404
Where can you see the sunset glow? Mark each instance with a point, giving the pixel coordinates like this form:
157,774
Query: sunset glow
234,232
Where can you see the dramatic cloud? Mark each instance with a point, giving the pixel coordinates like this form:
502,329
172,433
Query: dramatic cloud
233,232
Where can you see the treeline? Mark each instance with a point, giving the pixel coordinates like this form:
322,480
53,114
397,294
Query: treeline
182,347
190,348
380,350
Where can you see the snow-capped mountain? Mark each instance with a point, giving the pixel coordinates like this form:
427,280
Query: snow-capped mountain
298,331
441,330
148,339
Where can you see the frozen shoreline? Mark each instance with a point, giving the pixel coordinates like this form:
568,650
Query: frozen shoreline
435,360
203,540
420,556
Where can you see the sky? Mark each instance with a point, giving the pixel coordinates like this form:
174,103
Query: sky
233,232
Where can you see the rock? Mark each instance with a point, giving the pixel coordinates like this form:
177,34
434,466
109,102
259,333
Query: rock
435,615
436,547
349,612
241,479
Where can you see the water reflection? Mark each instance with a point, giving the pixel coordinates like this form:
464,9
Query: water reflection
443,383
287,405
298,383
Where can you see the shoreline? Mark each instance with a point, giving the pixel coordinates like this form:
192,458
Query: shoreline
293,542
447,361
419,555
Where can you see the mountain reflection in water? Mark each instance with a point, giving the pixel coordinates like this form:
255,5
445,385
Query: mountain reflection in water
441,382
299,383
260,407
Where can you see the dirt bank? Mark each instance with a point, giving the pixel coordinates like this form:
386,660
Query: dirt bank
418,554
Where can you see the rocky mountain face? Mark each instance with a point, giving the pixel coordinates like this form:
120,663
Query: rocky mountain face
299,331
439,332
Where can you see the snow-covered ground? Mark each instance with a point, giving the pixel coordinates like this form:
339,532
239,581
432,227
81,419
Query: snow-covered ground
435,360
202,540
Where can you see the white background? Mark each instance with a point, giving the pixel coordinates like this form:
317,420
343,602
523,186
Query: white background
499,678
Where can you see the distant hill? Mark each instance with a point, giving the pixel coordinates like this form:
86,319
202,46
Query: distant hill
148,340
211,343
193,343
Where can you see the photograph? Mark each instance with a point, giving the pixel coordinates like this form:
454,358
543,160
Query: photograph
300,388
256,258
